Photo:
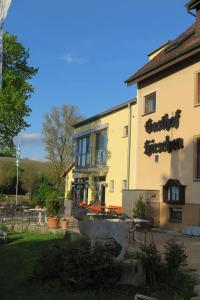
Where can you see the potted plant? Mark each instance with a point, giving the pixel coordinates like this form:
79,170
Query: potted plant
38,201
54,205
64,223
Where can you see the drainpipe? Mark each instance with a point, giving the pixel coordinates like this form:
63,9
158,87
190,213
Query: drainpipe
136,137
129,145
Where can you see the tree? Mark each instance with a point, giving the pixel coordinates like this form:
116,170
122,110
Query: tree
57,133
7,175
15,91
29,177
43,189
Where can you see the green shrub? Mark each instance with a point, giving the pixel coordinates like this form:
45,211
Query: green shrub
180,289
77,268
151,260
140,209
54,205
50,265
163,270
174,256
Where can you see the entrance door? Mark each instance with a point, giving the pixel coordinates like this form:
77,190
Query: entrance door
81,191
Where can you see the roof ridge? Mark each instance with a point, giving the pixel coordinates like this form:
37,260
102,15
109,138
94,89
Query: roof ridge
183,43
105,112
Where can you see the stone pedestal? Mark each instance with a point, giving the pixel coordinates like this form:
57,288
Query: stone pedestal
132,273
197,290
68,208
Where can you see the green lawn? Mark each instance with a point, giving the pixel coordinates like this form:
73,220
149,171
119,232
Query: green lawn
17,259
18,256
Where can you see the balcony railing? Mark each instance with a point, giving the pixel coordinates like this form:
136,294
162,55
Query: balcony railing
88,160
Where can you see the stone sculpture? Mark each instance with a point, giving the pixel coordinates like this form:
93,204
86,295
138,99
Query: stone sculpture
103,229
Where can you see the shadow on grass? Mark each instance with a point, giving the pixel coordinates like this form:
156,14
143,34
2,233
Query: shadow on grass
18,258
12,240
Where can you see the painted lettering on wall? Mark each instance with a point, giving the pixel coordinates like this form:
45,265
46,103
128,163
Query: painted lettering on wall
167,146
165,123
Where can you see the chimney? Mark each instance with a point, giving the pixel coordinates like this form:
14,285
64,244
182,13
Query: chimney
193,8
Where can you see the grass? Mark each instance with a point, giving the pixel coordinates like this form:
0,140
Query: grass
18,257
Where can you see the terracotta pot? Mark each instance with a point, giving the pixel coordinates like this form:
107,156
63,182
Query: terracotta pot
37,206
53,222
64,224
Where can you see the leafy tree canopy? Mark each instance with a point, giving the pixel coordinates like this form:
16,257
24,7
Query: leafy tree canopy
57,135
15,91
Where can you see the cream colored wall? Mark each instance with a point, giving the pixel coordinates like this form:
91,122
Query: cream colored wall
117,148
176,91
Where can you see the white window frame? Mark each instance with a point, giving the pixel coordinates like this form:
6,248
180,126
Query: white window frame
124,184
111,186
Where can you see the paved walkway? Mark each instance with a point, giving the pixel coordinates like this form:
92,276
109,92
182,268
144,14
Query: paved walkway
192,246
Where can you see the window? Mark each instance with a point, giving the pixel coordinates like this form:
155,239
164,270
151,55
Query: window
150,103
125,131
175,215
82,154
124,184
101,147
174,192
197,100
80,191
197,158
112,186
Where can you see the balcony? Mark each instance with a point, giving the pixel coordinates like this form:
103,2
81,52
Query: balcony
85,161
91,152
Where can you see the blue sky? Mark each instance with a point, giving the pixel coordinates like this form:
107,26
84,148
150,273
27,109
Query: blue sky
86,49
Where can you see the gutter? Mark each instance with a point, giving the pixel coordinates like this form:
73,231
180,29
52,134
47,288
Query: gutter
136,137
129,146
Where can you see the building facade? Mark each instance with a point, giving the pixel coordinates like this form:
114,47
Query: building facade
152,148
103,160
168,130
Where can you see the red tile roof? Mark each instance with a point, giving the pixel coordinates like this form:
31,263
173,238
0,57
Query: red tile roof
68,169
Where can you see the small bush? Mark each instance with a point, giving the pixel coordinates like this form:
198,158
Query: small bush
162,271
151,260
181,289
140,209
77,268
174,256
55,205
50,265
